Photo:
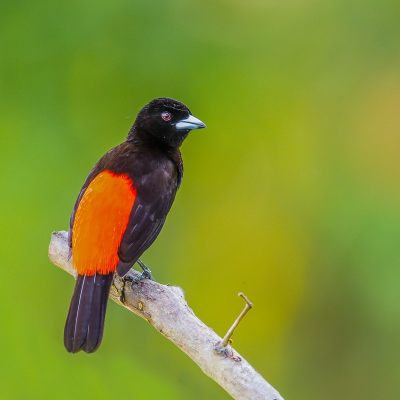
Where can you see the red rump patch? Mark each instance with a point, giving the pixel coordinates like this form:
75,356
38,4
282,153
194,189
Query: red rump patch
100,222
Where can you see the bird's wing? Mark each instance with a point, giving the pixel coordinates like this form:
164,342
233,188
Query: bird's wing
154,198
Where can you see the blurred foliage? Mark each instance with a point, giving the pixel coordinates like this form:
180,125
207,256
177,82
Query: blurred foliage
290,195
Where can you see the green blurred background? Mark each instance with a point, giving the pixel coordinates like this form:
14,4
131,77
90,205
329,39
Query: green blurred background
291,194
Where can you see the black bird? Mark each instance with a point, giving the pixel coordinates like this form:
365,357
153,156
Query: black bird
120,211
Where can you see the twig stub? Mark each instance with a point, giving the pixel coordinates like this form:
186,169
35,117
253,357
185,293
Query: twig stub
222,347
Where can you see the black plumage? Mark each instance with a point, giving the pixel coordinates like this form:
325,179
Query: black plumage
151,158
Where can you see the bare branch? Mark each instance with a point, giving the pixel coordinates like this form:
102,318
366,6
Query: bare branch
165,308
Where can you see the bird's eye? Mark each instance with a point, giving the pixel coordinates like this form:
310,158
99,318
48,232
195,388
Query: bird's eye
166,116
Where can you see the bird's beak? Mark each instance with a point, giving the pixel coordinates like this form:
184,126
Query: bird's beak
190,123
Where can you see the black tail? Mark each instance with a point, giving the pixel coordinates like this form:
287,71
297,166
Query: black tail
85,320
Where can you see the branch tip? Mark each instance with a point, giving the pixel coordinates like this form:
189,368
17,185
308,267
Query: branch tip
250,304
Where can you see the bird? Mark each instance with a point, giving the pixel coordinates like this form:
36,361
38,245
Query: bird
120,211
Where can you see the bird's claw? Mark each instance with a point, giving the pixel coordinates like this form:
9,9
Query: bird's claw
143,275
146,274
127,278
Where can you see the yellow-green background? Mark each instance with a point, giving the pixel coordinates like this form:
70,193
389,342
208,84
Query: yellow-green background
291,194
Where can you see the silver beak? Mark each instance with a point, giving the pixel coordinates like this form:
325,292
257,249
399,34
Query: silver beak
190,123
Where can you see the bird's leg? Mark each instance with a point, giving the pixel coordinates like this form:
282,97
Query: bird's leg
146,274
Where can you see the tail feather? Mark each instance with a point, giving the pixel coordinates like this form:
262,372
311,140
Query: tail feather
85,320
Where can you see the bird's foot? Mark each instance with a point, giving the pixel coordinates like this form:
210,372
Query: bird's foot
146,274
136,279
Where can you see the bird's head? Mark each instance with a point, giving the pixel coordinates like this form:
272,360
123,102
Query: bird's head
164,121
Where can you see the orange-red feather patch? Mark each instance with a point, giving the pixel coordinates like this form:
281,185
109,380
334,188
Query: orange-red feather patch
100,222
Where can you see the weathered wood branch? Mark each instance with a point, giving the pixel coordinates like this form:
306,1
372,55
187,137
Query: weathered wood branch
165,308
